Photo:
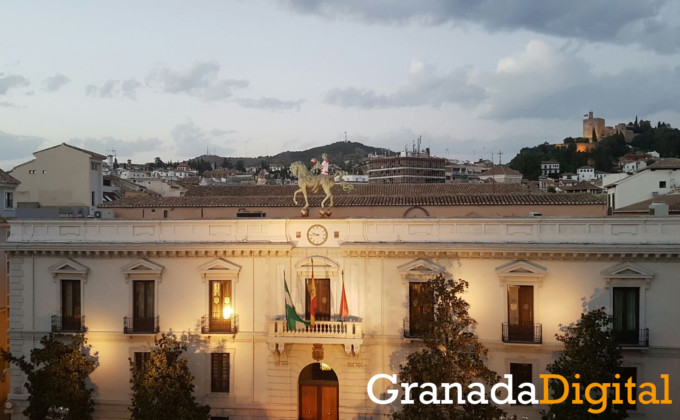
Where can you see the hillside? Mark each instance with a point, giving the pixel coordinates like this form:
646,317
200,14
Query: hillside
344,154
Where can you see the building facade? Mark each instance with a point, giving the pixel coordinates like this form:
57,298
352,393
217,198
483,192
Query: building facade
407,169
8,185
219,285
63,178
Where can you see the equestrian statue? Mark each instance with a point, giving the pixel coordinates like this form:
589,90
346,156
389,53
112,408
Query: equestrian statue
308,180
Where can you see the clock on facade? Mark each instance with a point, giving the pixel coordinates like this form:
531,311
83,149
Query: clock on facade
317,235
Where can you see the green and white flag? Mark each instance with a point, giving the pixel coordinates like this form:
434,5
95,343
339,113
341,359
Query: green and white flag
293,319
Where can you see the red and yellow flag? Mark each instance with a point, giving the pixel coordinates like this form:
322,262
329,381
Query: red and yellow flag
344,309
312,298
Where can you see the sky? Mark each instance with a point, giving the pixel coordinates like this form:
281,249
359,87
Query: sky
175,79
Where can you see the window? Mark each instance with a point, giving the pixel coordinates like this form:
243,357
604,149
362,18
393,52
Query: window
93,198
627,315
31,171
94,166
221,309
219,372
662,184
44,171
626,373
141,358
9,200
421,307
520,313
143,306
70,305
323,299
521,373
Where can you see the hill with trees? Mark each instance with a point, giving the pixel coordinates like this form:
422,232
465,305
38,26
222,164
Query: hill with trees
604,155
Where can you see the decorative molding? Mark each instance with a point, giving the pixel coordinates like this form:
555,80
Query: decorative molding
142,270
521,270
68,269
420,270
219,269
627,272
323,267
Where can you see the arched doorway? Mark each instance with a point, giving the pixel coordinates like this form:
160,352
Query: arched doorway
318,393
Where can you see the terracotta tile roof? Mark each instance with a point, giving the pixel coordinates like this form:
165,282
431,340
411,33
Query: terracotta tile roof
582,186
668,163
7,179
363,195
500,170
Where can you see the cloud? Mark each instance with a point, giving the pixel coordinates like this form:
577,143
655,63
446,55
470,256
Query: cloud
541,82
270,104
423,87
652,23
53,83
200,80
11,81
114,88
191,140
9,105
105,145
16,146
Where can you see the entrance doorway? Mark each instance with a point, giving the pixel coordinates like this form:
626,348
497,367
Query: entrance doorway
318,393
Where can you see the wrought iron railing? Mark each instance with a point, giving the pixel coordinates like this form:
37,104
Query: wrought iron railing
138,325
219,326
632,338
68,324
321,329
532,334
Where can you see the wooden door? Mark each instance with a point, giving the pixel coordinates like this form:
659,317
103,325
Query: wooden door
521,313
318,401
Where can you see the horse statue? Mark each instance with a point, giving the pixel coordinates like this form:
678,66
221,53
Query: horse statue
308,180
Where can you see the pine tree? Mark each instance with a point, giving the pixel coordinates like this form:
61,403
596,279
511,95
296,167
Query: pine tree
590,350
452,354
57,376
162,387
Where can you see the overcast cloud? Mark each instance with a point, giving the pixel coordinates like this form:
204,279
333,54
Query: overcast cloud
649,22
10,81
200,80
270,104
191,140
52,84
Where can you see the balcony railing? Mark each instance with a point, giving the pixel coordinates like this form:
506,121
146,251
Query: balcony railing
134,325
68,324
219,326
632,338
321,329
531,334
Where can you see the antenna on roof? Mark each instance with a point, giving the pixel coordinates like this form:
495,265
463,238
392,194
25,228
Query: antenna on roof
500,155
346,137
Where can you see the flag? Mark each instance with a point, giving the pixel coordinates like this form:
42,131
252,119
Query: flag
344,309
292,318
312,298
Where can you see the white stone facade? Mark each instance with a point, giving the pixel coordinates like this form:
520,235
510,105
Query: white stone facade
568,262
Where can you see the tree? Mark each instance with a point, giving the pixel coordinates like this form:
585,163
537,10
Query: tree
452,354
240,166
590,350
57,376
162,387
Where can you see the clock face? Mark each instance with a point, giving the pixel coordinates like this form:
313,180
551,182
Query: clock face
317,235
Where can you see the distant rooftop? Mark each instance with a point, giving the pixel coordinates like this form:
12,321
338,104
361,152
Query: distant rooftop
667,163
7,179
500,170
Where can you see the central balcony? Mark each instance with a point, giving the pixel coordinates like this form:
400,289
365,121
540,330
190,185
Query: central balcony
218,325
348,333
632,338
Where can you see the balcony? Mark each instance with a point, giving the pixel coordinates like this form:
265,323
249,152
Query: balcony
526,334
219,326
133,325
632,338
68,324
348,333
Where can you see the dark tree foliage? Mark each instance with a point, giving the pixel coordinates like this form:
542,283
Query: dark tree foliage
590,350
57,376
452,353
240,166
200,165
162,388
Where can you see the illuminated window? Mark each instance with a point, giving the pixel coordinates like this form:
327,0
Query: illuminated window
221,306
